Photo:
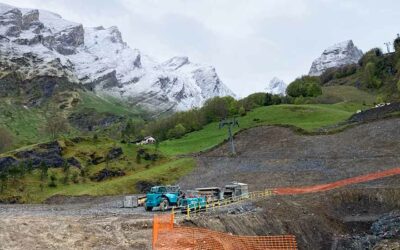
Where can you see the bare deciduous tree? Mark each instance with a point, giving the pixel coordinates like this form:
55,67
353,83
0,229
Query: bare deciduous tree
55,125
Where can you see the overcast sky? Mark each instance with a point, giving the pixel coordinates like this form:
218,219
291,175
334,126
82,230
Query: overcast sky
248,41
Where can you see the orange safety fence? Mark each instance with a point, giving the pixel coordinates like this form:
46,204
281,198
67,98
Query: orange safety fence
168,236
337,184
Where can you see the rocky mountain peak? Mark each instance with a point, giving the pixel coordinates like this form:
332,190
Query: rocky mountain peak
337,55
276,86
41,43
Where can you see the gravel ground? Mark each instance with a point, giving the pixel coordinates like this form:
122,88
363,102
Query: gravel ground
75,223
99,206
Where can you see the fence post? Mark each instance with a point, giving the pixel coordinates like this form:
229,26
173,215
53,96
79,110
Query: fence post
155,230
188,212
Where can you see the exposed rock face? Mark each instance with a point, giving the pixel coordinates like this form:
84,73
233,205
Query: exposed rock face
276,86
105,174
7,162
40,43
51,154
115,153
338,55
384,234
89,119
47,153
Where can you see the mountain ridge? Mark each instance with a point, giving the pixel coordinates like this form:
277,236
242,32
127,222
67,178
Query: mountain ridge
38,42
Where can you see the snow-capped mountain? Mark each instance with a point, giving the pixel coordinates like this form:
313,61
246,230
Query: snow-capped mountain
276,87
340,54
41,43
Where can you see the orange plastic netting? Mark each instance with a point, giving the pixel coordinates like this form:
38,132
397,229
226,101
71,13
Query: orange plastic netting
168,236
337,184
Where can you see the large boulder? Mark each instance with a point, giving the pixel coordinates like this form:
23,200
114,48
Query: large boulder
115,153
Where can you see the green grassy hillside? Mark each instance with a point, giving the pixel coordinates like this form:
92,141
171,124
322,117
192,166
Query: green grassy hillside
308,117
28,189
109,104
25,122
22,121
343,93
165,169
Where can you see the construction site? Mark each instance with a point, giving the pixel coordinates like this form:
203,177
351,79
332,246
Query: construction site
338,191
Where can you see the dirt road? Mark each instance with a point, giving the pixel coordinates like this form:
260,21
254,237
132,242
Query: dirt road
73,223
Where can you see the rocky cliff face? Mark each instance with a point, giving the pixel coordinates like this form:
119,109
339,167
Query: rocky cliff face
340,54
40,43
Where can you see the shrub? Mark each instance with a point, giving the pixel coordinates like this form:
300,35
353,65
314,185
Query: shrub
372,55
6,140
43,171
53,179
242,111
299,100
75,178
254,100
398,85
268,99
177,132
346,71
218,108
396,44
327,75
271,99
3,180
138,158
305,86
370,76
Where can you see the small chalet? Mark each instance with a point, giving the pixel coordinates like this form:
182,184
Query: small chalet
147,140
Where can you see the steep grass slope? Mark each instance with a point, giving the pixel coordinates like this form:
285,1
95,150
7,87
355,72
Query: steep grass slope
308,117
25,122
31,186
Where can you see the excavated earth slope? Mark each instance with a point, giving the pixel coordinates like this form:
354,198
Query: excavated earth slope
359,216
274,156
